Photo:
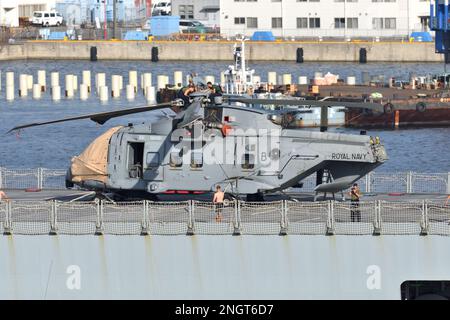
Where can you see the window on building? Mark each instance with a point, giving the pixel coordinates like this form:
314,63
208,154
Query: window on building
339,23
302,23
252,22
186,11
377,23
314,23
390,23
239,20
352,23
277,23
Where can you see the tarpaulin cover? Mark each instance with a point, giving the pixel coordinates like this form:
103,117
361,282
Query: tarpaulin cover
92,163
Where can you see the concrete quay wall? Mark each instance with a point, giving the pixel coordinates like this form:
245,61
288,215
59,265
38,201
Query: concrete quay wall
222,50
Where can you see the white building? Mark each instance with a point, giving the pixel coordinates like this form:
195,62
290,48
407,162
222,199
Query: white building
12,10
9,13
205,11
326,18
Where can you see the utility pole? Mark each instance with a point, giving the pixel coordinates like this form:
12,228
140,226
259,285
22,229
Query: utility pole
114,18
105,24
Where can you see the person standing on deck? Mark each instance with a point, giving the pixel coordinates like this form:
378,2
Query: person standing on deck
355,195
219,195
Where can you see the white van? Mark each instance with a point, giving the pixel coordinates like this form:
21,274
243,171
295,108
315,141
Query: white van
47,18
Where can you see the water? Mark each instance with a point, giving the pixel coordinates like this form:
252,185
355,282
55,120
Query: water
417,149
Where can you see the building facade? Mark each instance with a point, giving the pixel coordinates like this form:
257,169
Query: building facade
326,18
205,11
12,10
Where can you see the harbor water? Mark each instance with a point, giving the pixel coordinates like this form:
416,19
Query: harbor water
415,149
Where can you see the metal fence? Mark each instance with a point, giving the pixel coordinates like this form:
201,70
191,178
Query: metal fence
234,218
374,182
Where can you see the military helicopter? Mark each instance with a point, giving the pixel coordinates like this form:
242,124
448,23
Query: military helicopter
214,140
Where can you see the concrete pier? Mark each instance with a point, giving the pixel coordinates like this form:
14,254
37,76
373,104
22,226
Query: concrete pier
222,50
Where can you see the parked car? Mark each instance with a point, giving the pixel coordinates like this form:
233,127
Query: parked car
47,18
192,26
162,8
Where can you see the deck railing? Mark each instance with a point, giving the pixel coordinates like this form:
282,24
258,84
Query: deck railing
378,217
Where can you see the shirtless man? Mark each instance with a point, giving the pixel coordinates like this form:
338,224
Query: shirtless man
3,196
219,195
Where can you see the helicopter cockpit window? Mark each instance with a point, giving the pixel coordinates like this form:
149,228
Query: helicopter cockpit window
248,161
176,159
152,159
196,159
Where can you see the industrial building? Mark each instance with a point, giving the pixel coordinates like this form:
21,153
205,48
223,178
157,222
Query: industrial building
205,11
325,18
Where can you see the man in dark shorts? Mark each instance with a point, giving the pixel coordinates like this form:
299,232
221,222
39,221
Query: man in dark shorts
355,195
219,196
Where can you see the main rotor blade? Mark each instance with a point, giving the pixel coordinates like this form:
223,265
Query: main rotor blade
313,103
102,117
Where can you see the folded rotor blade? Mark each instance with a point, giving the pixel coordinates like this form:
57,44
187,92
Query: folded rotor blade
102,117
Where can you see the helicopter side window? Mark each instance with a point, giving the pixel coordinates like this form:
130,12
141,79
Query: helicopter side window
152,160
196,159
248,162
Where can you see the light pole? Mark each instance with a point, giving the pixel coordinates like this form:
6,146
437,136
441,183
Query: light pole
105,24
114,18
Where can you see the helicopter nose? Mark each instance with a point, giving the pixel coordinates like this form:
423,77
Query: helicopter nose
69,182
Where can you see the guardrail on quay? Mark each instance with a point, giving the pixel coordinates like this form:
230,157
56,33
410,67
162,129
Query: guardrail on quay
236,218
374,182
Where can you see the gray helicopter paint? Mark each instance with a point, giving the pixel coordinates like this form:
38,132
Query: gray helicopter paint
301,153
218,267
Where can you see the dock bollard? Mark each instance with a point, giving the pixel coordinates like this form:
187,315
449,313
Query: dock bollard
93,53
155,54
299,57
362,55
75,82
120,83
287,79
69,85
30,81
161,82
41,75
56,93
9,93
10,86
115,86
302,80
37,89
178,78
103,93
84,91
210,79
146,81
133,79
100,81
150,94
222,78
351,81
130,92
86,79
23,85
272,77
54,79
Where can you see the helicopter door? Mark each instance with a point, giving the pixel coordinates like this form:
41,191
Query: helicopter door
135,159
